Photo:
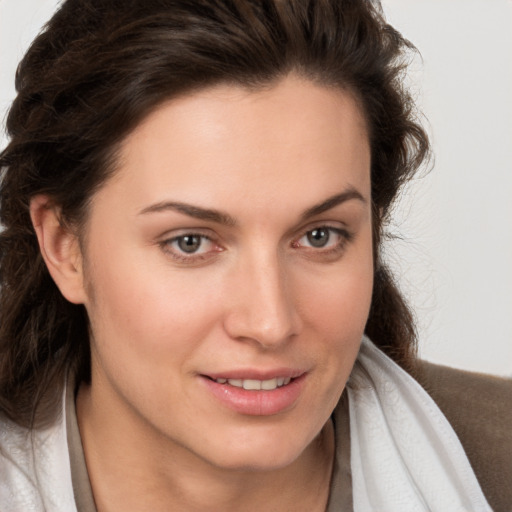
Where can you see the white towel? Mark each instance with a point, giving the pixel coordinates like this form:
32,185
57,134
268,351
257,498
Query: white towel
35,474
405,456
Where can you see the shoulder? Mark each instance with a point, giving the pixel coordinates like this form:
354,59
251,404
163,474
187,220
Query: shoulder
16,466
14,445
478,406
34,469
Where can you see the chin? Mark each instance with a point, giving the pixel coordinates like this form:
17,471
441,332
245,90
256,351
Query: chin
256,462
263,451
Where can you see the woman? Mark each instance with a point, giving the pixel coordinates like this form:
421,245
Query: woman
194,197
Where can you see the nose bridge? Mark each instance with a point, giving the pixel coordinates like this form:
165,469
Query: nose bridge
263,308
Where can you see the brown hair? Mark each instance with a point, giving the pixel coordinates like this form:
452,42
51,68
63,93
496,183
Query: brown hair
99,67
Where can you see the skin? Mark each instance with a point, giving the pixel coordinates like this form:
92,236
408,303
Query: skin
256,294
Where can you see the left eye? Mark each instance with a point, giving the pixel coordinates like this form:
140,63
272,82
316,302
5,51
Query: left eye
321,238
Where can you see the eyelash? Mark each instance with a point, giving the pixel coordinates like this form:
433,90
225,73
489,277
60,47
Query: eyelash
338,247
177,254
182,256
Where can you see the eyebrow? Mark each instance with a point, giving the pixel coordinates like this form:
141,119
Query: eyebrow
192,211
332,202
223,218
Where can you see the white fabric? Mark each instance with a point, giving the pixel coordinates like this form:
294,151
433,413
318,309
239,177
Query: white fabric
35,473
405,456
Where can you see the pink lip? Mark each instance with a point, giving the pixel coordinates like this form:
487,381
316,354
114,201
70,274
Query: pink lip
257,374
256,402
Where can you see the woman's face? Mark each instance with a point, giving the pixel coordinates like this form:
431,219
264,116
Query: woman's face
232,250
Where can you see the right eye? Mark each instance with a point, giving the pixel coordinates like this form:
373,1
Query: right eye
188,244
190,247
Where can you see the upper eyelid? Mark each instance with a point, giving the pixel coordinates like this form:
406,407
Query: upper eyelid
190,233
325,225
318,223
180,233
296,234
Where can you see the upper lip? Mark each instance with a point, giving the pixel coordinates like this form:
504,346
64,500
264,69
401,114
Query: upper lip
255,374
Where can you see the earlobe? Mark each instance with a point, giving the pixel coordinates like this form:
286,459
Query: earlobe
59,247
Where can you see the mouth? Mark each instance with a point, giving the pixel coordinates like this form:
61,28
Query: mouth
245,393
254,384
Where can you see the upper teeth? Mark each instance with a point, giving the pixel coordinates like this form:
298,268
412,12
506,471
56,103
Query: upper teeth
267,385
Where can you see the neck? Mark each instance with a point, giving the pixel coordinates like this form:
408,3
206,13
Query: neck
131,470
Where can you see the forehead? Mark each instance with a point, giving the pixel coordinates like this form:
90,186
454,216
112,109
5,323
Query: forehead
294,141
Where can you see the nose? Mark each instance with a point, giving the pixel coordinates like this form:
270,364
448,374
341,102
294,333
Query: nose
262,308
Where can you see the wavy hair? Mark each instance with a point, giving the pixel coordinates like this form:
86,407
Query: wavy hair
99,67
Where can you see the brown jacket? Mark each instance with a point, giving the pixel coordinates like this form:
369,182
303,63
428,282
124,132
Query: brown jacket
479,407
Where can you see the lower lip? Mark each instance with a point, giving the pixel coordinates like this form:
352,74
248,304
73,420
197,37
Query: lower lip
257,402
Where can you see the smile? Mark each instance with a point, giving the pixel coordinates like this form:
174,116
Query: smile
256,385
257,397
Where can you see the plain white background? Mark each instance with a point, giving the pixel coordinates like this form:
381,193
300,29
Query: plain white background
454,256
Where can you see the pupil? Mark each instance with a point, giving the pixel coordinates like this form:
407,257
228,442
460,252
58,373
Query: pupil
189,243
318,237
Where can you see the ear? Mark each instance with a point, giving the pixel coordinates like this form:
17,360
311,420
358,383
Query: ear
59,247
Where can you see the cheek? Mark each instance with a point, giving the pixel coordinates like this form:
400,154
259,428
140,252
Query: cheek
148,310
335,309
338,301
